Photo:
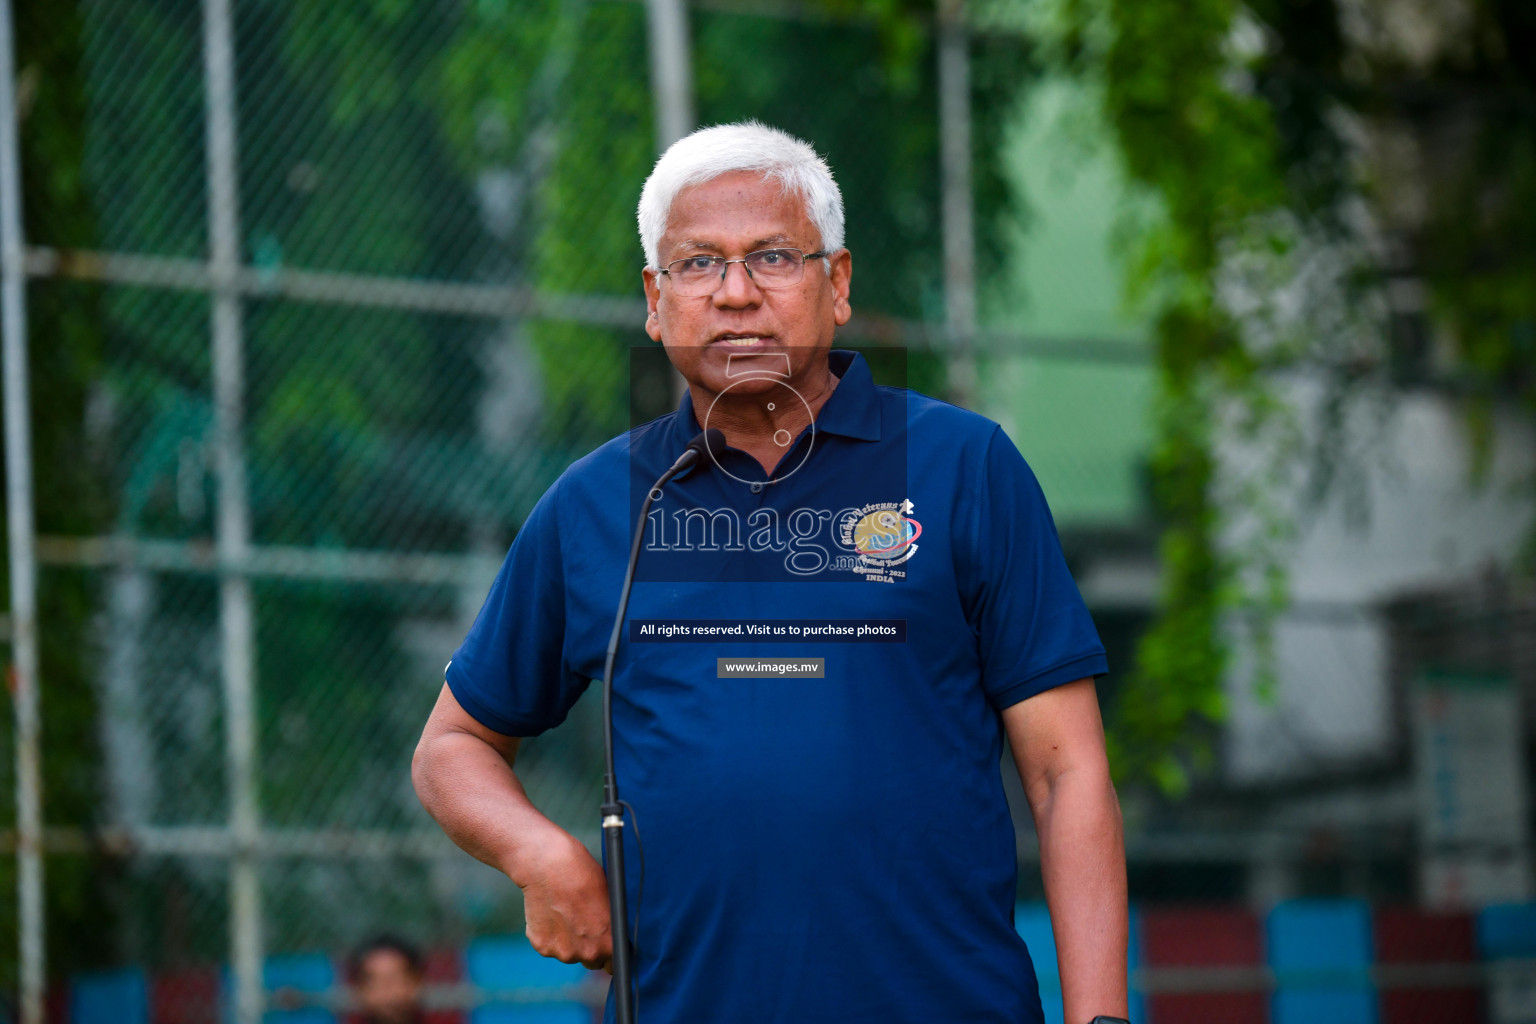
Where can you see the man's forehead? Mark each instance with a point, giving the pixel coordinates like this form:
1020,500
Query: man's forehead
714,245
733,210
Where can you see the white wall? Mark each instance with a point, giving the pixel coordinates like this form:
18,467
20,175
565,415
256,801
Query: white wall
1425,525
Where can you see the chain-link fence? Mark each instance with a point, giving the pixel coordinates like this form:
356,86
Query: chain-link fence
321,297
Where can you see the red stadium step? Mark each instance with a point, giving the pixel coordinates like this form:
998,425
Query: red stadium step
444,967
1204,937
1408,936
185,997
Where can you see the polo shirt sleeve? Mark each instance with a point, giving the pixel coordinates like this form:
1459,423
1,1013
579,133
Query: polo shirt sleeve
511,673
1032,628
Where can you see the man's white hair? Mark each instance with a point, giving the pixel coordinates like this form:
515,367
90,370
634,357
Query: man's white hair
743,146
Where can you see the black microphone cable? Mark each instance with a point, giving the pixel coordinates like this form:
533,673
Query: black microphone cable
708,445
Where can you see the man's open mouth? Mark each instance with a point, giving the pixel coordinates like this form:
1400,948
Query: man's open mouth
743,340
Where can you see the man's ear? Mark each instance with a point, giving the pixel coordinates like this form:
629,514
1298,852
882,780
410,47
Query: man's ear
841,276
652,282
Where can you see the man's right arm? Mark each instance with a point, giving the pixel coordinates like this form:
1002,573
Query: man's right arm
463,776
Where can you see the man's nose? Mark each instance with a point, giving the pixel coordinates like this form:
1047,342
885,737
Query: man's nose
738,289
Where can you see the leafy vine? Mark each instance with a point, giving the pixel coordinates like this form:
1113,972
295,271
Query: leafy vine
1247,121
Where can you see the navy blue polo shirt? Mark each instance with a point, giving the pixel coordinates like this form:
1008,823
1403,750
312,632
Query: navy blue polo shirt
835,848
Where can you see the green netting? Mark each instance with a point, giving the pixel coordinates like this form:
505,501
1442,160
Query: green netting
453,186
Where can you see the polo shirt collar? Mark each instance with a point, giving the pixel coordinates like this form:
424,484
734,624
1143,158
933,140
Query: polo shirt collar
852,410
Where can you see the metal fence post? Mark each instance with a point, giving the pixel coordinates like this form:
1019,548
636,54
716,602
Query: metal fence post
671,70
959,222
23,545
671,86
236,617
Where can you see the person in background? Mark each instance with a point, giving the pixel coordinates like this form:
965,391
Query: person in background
386,974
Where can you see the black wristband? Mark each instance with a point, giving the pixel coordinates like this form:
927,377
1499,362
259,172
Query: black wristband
1101,1019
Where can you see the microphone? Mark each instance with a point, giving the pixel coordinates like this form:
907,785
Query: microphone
710,444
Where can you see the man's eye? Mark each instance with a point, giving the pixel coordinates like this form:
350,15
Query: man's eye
773,257
698,263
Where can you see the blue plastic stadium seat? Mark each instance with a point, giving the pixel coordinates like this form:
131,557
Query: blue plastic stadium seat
306,973
1138,1001
109,997
1033,923
1507,930
508,964
1321,952
544,1013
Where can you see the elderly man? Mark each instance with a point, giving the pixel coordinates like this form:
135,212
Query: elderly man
835,848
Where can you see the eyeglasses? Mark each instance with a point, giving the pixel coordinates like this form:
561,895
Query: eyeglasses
769,268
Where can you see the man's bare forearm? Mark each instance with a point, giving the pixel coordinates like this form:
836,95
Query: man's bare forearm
1082,862
469,787
463,774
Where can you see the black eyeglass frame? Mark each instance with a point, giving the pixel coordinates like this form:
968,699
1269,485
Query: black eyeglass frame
724,265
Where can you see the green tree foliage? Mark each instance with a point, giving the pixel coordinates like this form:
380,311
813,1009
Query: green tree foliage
1475,107
65,346
1210,154
1245,120
857,82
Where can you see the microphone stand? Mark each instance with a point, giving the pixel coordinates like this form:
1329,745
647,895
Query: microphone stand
613,808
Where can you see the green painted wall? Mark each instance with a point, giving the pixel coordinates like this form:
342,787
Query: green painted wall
1082,423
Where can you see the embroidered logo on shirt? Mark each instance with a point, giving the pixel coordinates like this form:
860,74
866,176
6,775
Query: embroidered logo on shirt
884,535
